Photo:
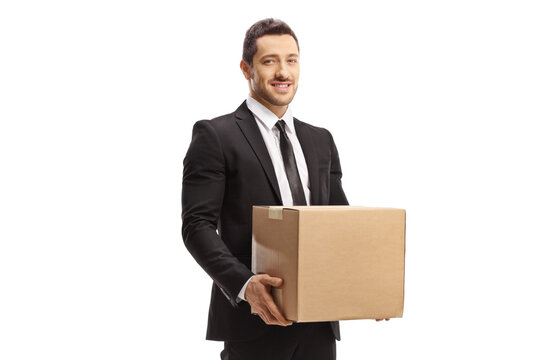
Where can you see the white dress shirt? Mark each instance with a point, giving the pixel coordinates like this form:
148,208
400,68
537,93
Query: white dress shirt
266,120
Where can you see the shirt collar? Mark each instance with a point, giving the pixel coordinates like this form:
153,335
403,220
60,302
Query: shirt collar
267,117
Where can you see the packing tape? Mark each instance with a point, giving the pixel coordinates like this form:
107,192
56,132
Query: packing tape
275,212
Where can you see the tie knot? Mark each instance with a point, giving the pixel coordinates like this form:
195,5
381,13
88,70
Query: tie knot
280,124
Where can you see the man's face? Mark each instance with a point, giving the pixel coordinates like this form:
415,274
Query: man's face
273,77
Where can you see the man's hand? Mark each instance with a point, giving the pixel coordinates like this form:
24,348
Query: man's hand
258,296
381,319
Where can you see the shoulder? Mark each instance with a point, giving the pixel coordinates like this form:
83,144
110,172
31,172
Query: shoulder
316,131
223,122
216,123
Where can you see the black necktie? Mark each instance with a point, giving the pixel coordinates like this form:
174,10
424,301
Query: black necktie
287,153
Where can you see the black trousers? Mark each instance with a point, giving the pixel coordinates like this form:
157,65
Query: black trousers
300,341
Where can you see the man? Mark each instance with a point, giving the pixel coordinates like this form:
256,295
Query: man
257,155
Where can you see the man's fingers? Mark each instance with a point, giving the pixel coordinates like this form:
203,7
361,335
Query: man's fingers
273,309
263,316
272,318
269,312
262,302
272,281
267,317
271,306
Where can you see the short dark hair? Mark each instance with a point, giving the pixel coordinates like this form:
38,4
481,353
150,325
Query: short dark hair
260,28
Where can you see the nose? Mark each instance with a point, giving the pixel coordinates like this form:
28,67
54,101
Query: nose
282,73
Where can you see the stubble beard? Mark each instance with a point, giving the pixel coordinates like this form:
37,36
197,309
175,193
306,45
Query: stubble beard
272,99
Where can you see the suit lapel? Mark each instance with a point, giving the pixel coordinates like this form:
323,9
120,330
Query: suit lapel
246,122
310,154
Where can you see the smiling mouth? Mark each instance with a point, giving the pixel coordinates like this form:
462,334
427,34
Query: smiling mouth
281,88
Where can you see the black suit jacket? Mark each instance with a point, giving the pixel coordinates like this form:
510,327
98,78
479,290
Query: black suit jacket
227,170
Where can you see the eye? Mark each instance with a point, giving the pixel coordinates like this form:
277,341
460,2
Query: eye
268,61
293,61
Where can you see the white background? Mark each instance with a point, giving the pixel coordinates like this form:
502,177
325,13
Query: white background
433,106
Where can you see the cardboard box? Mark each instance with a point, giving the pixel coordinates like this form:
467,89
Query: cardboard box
336,262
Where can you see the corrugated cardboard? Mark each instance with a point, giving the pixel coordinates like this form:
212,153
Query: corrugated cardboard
336,262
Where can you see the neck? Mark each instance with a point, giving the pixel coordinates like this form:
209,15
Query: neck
278,110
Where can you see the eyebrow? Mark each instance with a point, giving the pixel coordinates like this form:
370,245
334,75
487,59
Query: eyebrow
276,55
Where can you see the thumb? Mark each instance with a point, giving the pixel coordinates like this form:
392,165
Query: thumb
272,281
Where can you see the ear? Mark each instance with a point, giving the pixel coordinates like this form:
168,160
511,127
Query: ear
246,70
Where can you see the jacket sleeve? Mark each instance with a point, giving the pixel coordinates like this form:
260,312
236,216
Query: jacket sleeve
203,186
337,195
